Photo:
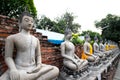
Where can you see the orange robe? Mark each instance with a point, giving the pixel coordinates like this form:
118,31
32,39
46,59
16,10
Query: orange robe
84,56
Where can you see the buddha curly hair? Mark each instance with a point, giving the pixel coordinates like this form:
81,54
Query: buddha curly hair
25,13
86,36
95,38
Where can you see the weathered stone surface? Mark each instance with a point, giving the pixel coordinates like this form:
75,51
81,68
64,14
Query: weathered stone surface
117,74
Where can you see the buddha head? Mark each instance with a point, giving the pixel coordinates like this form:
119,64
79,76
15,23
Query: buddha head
87,37
101,40
68,34
96,39
25,21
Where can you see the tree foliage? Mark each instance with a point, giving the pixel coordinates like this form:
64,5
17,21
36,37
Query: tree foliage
13,8
110,27
67,20
59,25
92,34
45,23
76,39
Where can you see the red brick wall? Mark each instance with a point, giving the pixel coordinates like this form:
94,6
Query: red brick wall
50,52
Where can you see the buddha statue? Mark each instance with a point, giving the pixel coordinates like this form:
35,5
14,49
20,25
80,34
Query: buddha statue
107,49
27,63
70,59
88,50
96,48
101,46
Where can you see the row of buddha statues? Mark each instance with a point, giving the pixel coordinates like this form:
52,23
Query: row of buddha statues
91,54
27,64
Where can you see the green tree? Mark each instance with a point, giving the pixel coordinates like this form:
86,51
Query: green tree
92,34
13,8
110,27
76,39
67,20
45,23
59,25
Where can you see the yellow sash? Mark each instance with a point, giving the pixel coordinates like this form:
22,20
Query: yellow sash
107,48
84,56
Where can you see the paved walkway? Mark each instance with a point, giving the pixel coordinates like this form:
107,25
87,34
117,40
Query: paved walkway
117,74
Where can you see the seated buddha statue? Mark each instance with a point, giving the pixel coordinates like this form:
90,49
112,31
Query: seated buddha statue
88,50
27,63
70,59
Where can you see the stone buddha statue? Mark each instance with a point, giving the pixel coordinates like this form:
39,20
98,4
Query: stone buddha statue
103,51
101,46
96,47
88,50
107,46
27,63
70,59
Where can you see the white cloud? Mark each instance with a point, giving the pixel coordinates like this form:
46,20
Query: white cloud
87,11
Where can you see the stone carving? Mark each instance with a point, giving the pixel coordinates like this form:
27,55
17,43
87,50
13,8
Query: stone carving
27,63
96,48
101,46
88,51
108,49
70,59
102,50
93,59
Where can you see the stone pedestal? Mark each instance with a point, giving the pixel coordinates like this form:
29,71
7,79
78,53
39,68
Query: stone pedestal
67,74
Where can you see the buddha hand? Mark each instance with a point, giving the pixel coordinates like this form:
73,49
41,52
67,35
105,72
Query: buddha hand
14,75
75,62
36,69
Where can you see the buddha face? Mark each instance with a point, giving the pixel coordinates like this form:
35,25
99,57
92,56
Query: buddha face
27,23
96,40
101,41
88,39
69,35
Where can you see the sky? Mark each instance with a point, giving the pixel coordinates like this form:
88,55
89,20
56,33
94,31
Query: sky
87,11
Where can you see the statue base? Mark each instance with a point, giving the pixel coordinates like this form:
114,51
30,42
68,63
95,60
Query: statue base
75,75
104,60
95,66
